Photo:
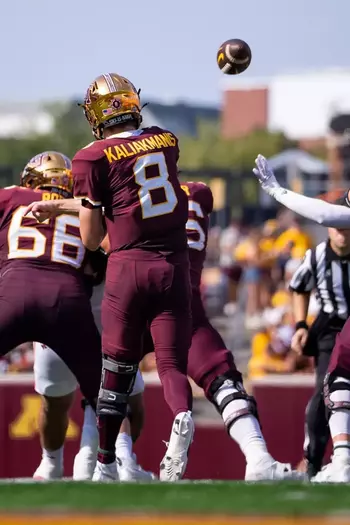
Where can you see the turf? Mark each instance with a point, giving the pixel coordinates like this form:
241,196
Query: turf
285,498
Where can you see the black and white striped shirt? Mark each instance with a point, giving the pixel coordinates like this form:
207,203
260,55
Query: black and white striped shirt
322,269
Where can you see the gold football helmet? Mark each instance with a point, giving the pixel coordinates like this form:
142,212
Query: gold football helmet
111,100
51,171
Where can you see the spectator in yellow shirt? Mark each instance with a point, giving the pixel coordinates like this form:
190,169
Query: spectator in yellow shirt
271,351
293,242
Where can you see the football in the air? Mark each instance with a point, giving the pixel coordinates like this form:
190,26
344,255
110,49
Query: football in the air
234,56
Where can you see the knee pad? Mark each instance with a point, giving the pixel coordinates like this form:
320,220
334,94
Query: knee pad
225,391
336,393
117,383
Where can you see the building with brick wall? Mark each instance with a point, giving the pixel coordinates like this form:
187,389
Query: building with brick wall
312,107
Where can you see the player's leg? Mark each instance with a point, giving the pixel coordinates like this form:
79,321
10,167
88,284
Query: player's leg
171,329
123,323
316,422
212,367
15,326
128,435
56,385
66,324
72,333
85,460
128,468
337,400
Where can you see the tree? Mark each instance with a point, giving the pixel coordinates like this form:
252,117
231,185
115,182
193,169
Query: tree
72,129
17,152
209,149
71,132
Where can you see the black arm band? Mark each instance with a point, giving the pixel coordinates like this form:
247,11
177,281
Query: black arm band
301,324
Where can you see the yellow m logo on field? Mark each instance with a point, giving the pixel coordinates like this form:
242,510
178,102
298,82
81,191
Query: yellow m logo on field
26,424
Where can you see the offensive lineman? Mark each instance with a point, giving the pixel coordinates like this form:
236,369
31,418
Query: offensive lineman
42,288
51,172
337,380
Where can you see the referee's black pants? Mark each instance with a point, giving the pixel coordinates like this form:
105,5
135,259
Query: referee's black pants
321,341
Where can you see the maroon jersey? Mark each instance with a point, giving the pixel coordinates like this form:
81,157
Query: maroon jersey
54,244
42,292
200,205
133,176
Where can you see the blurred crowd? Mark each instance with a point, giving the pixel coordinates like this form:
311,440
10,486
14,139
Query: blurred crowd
21,359
247,273
255,266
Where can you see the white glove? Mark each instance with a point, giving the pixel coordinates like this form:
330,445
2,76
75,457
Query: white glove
266,176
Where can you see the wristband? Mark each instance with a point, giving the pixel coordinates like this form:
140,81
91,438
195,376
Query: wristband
301,324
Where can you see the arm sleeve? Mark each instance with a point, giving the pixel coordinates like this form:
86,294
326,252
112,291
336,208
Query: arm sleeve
303,280
87,182
324,213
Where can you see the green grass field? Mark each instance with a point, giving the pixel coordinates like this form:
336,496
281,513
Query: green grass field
283,499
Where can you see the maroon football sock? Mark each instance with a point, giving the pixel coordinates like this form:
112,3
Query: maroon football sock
109,424
177,390
108,430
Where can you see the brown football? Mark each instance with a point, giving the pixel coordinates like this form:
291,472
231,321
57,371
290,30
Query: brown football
234,56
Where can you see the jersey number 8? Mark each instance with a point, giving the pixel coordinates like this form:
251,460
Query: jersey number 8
161,181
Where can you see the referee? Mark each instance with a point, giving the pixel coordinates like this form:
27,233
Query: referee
325,269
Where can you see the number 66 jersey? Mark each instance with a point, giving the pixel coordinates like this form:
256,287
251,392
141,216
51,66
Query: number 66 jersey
42,290
53,244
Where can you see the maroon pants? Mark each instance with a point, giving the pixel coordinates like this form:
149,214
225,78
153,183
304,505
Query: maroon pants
150,289
339,364
52,307
208,356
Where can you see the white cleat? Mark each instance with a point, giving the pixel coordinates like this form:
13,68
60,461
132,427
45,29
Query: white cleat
129,470
48,470
84,464
174,463
105,473
274,471
337,471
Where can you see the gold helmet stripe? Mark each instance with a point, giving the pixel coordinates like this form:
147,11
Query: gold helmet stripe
109,82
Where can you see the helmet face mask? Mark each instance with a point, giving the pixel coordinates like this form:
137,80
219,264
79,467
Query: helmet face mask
50,171
111,100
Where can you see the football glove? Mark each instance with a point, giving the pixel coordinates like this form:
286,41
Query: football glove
266,176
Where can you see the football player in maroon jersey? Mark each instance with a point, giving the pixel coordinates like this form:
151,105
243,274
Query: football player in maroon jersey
131,174
211,364
43,294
